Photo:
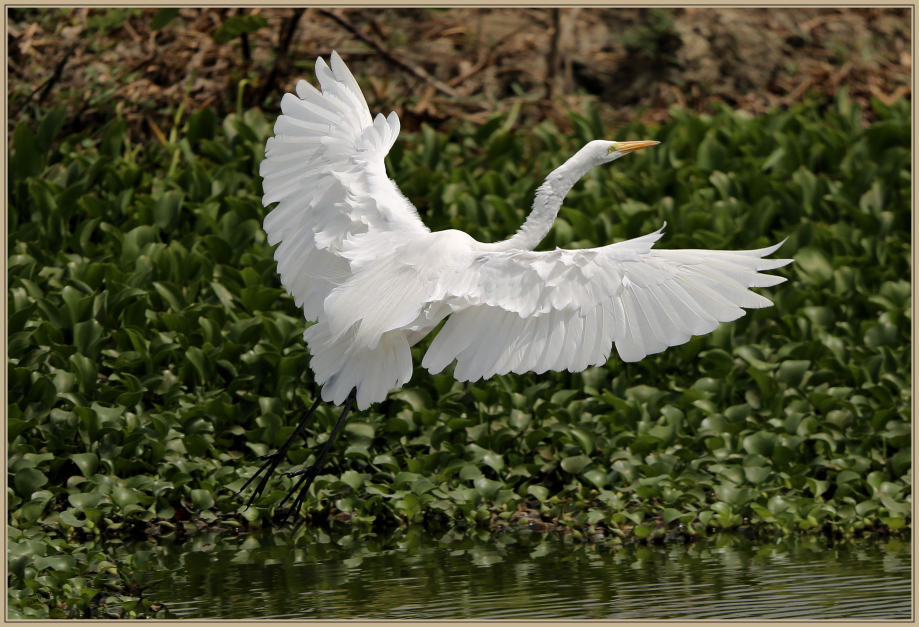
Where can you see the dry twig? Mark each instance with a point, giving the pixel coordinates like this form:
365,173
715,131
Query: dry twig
483,60
286,37
389,56
552,60
46,87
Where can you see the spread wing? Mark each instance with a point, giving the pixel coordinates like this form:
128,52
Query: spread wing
325,169
565,309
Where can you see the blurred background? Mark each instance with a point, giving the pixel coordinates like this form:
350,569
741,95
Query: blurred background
437,66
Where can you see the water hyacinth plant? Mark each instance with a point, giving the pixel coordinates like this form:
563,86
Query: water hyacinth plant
153,354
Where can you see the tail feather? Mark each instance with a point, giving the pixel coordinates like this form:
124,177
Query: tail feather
340,364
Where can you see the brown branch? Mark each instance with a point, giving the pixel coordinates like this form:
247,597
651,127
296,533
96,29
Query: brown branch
552,60
483,60
389,56
425,100
46,87
244,40
315,53
291,29
18,71
288,29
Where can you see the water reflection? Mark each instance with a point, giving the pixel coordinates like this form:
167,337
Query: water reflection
531,575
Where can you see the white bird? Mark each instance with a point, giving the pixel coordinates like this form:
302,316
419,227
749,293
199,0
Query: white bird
355,255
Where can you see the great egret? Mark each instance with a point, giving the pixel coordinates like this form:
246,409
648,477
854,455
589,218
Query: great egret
355,255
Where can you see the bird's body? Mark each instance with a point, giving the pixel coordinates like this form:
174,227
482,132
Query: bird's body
359,261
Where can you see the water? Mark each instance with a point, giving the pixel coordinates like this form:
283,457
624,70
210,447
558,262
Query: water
516,575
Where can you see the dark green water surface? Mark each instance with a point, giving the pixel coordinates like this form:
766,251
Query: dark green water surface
522,574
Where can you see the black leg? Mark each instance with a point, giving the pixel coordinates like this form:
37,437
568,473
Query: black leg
311,472
275,458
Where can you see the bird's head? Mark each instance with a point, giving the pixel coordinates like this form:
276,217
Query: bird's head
605,151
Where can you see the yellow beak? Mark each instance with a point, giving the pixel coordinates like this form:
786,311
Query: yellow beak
627,147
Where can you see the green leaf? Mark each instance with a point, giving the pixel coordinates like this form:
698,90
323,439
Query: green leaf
17,321
354,479
711,155
202,363
124,497
172,294
26,159
901,462
167,208
881,335
643,531
86,371
386,462
87,337
494,460
792,372
162,18
866,507
756,474
575,464
815,265
895,506
581,224
541,493
15,428
49,128
68,518
237,25
417,398
431,145
202,125
86,462
134,242
717,362
62,563
28,481
85,499
761,443
409,505
895,523
202,499
222,253
422,486
486,487
596,477
586,440
846,476
669,515
196,445
534,437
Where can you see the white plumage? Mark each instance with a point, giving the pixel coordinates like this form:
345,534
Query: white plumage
355,255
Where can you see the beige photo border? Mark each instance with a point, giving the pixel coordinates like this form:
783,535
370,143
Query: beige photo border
508,623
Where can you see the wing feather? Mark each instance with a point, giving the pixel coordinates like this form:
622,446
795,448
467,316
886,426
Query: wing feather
325,165
338,215
499,344
565,309
512,351
572,344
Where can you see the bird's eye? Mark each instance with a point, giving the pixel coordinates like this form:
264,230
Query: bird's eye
612,148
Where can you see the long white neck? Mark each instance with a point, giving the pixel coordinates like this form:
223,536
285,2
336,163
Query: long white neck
548,201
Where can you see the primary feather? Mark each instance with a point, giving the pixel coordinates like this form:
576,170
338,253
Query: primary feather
355,255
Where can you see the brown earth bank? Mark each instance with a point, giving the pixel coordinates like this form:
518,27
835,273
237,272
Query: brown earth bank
437,66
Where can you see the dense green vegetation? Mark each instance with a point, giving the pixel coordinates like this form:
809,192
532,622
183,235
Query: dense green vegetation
153,354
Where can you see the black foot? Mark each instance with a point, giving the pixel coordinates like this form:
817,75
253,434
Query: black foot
308,474
272,460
